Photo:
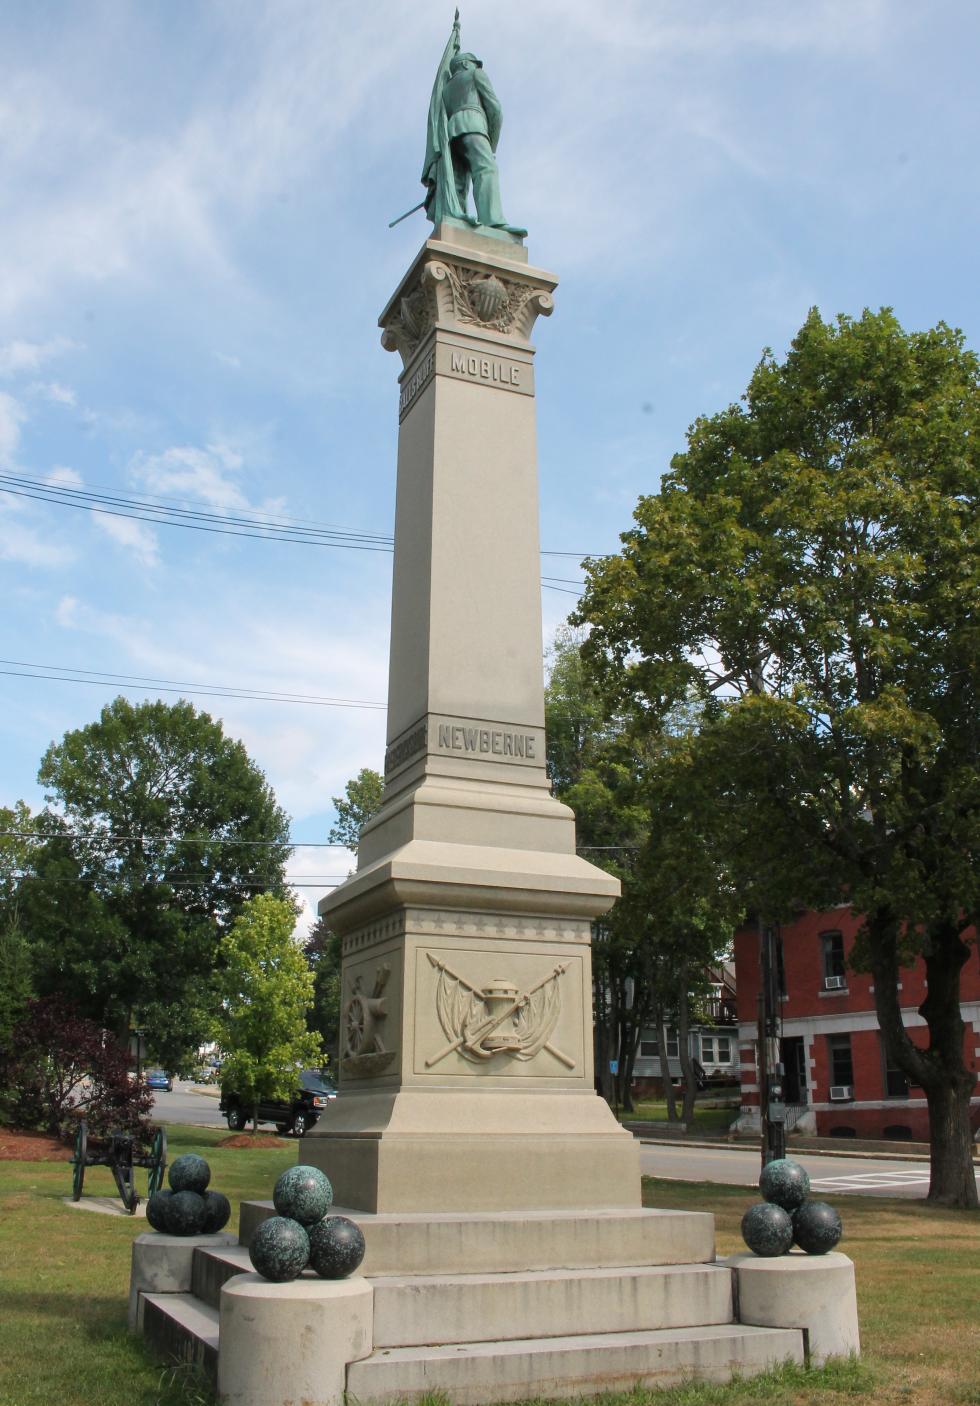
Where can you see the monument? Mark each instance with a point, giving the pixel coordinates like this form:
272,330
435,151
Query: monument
506,1253
466,1069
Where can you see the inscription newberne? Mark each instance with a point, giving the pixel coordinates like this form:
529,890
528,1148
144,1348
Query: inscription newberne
497,742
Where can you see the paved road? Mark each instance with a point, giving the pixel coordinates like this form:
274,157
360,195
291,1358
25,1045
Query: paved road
829,1176
186,1106
734,1166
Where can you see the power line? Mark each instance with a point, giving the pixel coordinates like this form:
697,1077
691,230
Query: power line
96,838
63,673
243,523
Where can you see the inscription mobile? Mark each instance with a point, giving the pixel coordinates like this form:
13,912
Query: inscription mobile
485,368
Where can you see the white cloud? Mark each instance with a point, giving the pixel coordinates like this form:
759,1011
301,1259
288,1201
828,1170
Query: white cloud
135,536
12,416
20,543
71,478
189,472
18,356
55,392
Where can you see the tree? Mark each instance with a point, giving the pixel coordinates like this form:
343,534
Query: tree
17,843
361,800
809,571
60,1067
265,989
165,829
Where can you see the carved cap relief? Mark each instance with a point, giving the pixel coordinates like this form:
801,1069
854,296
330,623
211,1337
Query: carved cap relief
452,293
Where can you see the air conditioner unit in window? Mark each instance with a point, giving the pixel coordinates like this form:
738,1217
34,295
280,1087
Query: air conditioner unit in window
834,983
841,1093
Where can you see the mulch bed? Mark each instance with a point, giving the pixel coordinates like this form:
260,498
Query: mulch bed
252,1140
31,1147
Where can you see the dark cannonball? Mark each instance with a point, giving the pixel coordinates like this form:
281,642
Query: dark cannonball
217,1212
816,1227
336,1247
184,1213
767,1229
156,1210
784,1183
280,1249
189,1173
303,1194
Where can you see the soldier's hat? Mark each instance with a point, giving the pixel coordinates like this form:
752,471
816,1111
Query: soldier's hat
458,58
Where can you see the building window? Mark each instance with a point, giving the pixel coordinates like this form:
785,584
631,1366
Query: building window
841,1063
673,1048
896,1083
832,955
649,1049
716,1049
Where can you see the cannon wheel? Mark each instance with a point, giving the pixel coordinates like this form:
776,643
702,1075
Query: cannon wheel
81,1150
126,1185
158,1161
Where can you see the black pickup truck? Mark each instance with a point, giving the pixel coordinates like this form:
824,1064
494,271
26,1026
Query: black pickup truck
296,1116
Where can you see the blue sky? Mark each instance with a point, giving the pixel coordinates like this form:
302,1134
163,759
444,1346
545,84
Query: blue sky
194,251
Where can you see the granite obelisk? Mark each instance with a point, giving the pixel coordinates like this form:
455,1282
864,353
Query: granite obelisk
466,1073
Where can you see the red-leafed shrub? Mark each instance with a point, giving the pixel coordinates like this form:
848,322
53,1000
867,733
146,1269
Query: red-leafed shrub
61,1067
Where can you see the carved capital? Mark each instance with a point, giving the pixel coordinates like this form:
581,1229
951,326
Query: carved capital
457,294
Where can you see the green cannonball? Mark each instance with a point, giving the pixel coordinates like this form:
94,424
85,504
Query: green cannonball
336,1247
189,1173
217,1212
185,1212
816,1227
279,1249
767,1229
784,1183
303,1194
156,1210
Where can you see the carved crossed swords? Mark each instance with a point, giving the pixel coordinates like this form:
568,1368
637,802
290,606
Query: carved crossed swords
492,1022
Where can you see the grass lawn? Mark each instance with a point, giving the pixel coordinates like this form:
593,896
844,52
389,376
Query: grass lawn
64,1277
707,1118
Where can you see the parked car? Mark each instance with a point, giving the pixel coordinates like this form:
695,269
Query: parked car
297,1115
159,1079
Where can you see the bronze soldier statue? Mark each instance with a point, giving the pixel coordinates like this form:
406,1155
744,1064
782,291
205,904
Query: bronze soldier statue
463,130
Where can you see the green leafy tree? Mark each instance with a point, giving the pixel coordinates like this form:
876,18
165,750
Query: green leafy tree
359,803
164,829
265,989
810,571
18,846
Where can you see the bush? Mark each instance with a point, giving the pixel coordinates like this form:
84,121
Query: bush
61,1067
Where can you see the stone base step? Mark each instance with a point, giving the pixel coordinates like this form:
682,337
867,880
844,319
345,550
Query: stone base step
473,1373
508,1242
212,1268
412,1310
180,1328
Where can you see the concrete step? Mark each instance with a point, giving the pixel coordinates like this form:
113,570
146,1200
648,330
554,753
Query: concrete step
508,1242
211,1268
411,1310
473,1373
180,1328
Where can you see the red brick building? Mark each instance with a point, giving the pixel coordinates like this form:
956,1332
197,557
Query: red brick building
837,1078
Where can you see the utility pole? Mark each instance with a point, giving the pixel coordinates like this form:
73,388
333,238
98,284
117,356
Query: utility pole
772,1109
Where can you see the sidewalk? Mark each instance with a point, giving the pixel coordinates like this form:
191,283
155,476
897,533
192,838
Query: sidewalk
670,1134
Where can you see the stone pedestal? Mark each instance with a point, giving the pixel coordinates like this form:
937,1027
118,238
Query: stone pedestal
812,1292
467,1078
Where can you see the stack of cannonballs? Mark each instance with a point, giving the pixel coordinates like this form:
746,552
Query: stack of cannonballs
188,1208
303,1234
786,1217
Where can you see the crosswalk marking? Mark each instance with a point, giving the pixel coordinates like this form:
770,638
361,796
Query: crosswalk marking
872,1181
